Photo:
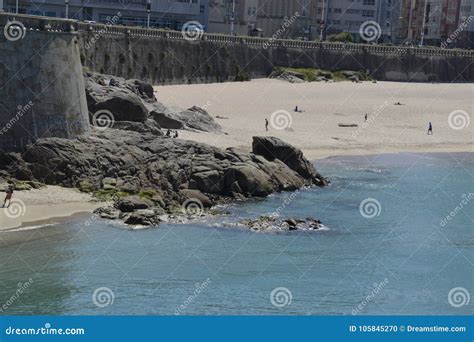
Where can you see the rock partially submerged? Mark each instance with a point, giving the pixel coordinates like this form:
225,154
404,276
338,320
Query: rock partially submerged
161,174
271,223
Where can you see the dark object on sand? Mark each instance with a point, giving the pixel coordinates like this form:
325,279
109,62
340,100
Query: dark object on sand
348,125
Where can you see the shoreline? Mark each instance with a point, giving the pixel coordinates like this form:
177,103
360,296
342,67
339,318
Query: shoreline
45,215
318,154
44,206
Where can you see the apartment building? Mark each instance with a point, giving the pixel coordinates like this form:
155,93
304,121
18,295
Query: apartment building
237,17
350,15
449,23
284,18
163,13
300,19
466,19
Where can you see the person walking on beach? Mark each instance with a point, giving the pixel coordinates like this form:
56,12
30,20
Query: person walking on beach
266,125
365,117
430,129
8,197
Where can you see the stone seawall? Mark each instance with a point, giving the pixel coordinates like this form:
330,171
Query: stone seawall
162,57
41,84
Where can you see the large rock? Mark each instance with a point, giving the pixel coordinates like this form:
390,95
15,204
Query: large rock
124,106
250,180
164,172
273,148
132,203
209,181
194,118
167,120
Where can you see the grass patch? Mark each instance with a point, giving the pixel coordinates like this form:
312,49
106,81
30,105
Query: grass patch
109,194
311,74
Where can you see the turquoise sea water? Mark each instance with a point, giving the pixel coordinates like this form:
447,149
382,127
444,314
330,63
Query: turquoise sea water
406,259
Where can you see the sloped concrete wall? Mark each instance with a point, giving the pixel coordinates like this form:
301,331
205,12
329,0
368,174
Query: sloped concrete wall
41,87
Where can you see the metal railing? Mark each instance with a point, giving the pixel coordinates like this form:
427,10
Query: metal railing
67,25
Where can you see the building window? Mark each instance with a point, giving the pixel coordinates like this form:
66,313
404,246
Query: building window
368,13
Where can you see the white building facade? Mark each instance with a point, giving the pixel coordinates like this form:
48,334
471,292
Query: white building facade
163,13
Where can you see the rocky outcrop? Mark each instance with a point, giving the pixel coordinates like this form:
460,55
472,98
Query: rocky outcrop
272,148
265,223
134,102
287,75
194,118
142,172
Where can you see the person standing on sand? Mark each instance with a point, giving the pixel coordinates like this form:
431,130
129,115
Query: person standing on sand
8,197
266,125
365,117
430,129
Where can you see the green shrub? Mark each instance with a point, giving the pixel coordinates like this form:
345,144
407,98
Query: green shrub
344,37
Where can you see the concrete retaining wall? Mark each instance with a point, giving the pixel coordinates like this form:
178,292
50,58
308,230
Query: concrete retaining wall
41,86
162,57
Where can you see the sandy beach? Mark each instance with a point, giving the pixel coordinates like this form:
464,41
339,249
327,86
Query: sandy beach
44,206
241,109
389,128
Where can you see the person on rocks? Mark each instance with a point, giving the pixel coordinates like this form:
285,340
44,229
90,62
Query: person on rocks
168,133
266,125
430,129
175,134
8,197
113,82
